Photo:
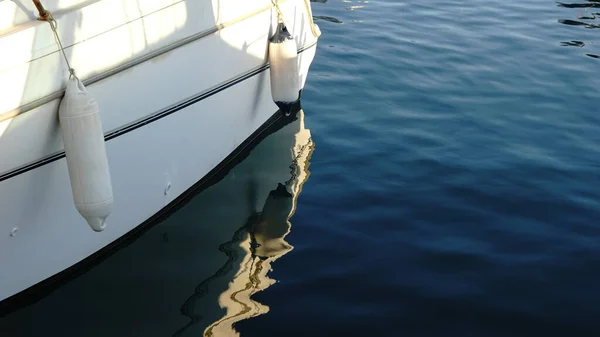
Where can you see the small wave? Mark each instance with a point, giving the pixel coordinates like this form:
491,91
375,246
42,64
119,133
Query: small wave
579,23
573,43
327,18
584,19
589,4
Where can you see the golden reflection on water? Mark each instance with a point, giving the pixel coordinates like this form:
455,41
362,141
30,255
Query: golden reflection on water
262,244
255,246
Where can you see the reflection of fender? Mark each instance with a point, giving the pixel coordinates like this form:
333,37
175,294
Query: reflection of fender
272,225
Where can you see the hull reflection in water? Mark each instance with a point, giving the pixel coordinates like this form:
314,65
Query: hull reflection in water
195,273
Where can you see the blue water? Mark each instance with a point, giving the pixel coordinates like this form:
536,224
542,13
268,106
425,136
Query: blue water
453,190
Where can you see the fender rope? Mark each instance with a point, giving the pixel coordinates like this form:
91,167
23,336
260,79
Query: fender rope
47,16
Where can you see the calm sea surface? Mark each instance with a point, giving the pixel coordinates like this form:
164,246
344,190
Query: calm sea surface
442,180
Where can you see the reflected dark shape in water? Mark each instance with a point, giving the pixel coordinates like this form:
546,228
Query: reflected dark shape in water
583,21
588,4
573,43
195,273
322,17
578,23
327,18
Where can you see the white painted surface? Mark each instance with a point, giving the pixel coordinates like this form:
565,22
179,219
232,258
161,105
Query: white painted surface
151,165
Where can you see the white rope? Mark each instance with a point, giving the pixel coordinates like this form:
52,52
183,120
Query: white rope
313,28
310,18
54,26
278,10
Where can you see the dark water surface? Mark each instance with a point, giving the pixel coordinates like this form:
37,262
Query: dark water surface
453,190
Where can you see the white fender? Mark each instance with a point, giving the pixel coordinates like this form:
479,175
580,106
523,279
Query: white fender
283,60
85,150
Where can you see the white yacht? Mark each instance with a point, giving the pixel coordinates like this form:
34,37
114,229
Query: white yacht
112,111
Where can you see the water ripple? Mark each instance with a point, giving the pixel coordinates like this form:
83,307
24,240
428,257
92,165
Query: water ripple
460,168
327,18
584,20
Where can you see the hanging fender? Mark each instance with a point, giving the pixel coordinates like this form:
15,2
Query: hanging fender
283,60
83,138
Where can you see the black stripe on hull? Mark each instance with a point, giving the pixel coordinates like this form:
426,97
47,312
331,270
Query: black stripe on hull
145,121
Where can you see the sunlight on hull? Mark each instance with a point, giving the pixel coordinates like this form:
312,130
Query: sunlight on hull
124,43
97,38
4,126
13,82
8,11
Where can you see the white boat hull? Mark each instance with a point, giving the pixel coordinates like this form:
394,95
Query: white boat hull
168,121
192,272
